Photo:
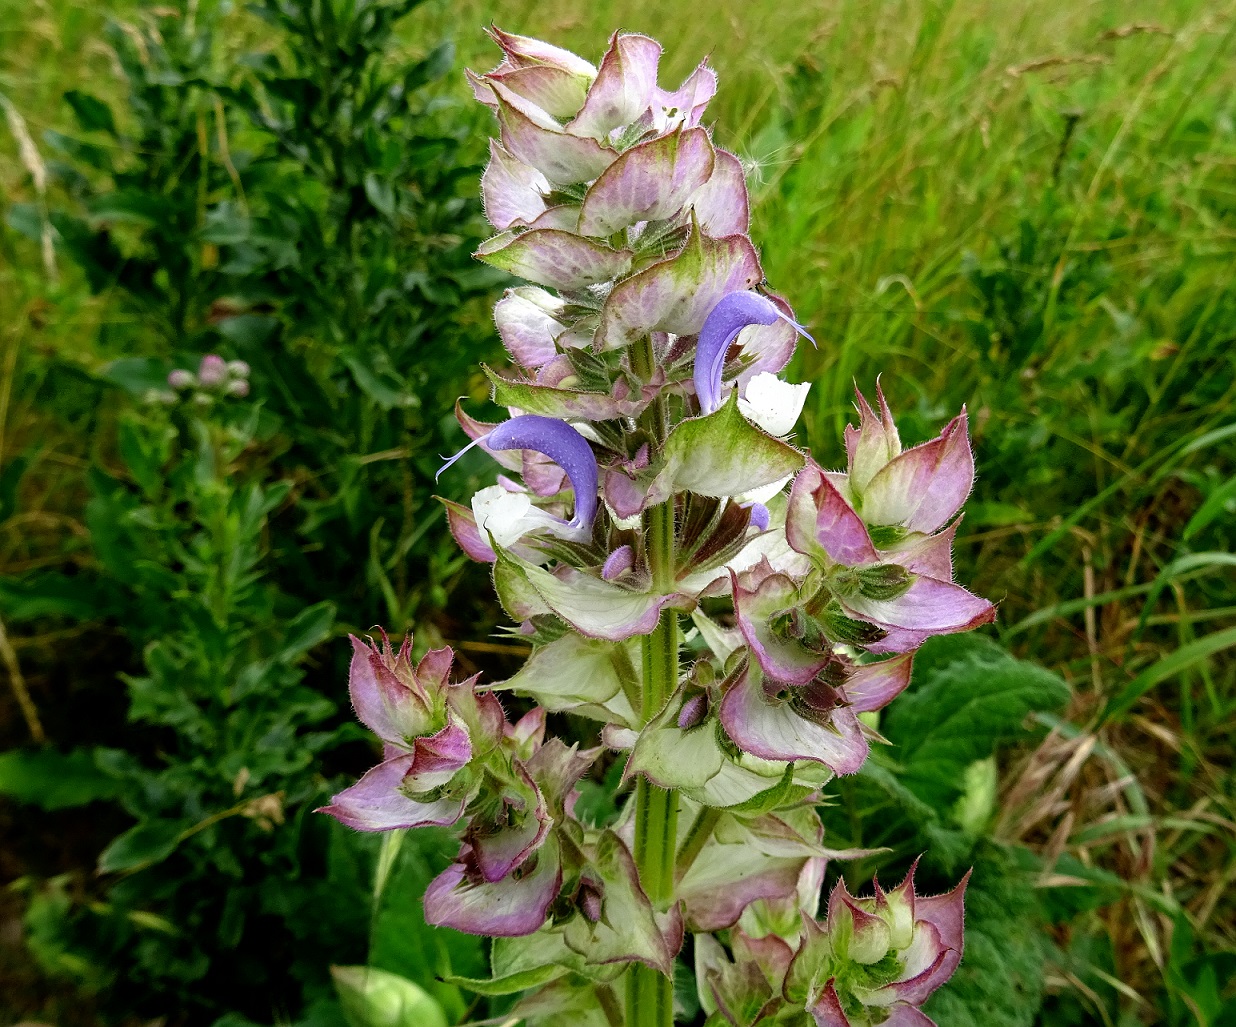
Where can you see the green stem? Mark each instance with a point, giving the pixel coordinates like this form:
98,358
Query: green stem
698,834
650,994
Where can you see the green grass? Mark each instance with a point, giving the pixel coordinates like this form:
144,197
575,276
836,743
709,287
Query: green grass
1025,207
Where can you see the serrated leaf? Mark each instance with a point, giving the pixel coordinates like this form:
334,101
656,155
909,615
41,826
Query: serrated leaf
1000,980
723,454
967,696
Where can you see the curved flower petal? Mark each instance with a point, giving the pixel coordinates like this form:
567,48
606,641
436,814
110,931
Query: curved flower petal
903,1015
731,314
515,906
558,91
759,516
550,256
392,710
872,686
925,970
525,52
769,347
873,443
773,404
500,851
527,324
533,137
931,555
618,563
743,862
566,447
721,204
686,104
773,730
784,659
676,295
826,1008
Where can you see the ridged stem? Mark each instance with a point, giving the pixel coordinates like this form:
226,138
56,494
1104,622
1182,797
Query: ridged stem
650,994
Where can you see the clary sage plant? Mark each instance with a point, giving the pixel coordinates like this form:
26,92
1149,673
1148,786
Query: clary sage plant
726,609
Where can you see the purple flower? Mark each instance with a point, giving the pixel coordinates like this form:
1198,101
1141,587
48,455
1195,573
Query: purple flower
181,379
563,445
730,316
503,514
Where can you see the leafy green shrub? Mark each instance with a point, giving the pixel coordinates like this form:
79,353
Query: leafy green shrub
299,211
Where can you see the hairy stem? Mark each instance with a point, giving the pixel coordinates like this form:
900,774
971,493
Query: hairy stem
697,836
650,994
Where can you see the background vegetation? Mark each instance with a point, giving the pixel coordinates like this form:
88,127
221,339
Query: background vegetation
1028,208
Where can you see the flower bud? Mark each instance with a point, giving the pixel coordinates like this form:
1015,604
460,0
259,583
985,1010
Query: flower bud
181,379
212,371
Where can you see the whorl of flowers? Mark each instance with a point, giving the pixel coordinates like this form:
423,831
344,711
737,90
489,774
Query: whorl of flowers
642,374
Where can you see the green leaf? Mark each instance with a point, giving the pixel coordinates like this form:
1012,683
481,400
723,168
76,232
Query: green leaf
310,627
437,63
373,383
378,998
92,113
53,594
143,845
1168,667
380,193
225,224
967,696
723,454
53,780
510,984
1214,506
1000,980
